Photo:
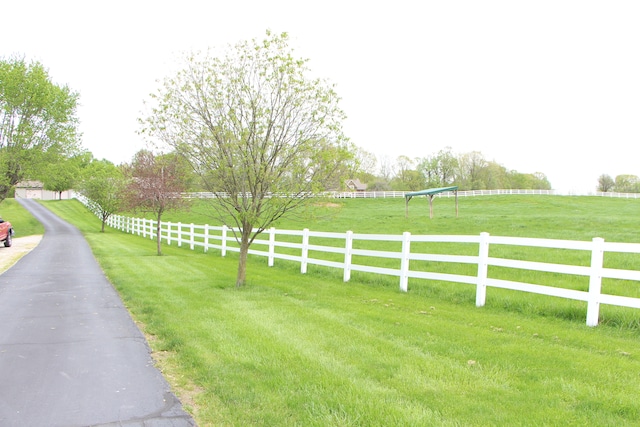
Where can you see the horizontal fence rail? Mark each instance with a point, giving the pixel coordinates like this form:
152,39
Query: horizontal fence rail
409,256
466,193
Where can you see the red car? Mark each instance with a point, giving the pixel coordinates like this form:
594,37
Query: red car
6,232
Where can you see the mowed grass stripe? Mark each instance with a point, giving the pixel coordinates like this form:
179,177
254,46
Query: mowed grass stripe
310,350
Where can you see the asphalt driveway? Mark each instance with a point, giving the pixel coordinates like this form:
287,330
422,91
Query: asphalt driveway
70,354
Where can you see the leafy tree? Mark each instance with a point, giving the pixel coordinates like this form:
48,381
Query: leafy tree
540,181
365,161
62,173
379,184
102,184
439,170
495,176
362,166
37,120
428,167
470,170
407,178
605,183
263,136
411,180
403,176
627,184
154,184
61,176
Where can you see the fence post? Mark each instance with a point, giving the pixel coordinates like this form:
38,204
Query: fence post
483,268
305,251
224,240
404,261
272,246
179,234
595,281
191,237
169,233
206,238
348,248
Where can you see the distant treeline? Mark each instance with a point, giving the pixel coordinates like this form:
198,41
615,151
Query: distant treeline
622,184
469,171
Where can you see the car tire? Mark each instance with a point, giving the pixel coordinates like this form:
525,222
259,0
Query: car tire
7,242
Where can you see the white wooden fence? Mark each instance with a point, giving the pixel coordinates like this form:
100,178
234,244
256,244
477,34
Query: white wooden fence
467,193
338,250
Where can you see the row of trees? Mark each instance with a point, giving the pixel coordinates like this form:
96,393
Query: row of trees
469,171
150,183
621,184
249,124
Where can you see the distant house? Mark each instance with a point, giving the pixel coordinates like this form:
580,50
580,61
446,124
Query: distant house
35,190
355,185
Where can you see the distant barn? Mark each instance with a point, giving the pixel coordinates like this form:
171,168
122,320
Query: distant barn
355,185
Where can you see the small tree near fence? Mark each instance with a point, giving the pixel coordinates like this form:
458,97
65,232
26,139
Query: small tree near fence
154,184
102,183
261,134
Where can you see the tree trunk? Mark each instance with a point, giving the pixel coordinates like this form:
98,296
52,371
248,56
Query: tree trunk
158,237
244,250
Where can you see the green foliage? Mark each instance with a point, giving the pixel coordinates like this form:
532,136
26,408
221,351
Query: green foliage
439,170
605,183
103,184
154,184
293,349
37,121
627,184
61,174
253,124
469,171
24,224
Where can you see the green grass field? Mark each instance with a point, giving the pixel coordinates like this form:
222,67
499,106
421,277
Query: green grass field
23,223
310,350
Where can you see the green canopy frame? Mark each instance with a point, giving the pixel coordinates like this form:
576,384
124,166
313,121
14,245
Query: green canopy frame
430,193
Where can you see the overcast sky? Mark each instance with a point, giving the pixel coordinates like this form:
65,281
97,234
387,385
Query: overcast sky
546,86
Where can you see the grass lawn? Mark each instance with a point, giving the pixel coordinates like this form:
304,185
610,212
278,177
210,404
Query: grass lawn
310,350
24,224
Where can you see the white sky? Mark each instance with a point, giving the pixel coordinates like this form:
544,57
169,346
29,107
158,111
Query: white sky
541,85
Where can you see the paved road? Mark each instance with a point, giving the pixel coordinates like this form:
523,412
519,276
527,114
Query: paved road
70,355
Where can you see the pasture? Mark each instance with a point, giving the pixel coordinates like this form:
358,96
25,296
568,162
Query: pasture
292,349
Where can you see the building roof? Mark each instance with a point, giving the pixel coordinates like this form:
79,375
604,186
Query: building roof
29,184
356,184
430,191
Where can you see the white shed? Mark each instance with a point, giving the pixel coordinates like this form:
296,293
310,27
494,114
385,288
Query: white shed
35,190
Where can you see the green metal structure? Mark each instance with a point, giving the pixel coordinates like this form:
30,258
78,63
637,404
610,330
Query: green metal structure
430,193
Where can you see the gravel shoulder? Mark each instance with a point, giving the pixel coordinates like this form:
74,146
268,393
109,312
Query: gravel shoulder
19,248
